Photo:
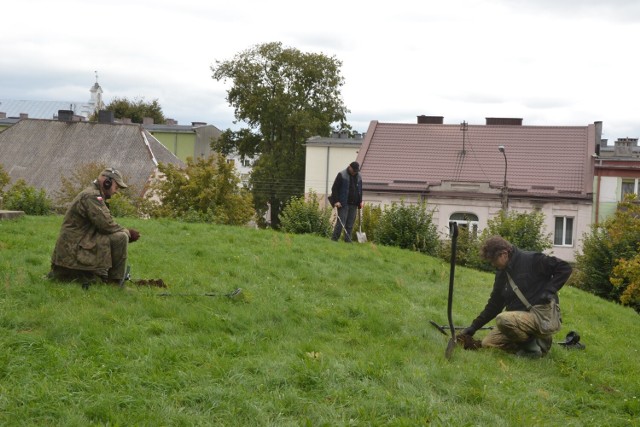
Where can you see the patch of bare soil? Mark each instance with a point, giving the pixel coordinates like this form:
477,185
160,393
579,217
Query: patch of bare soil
154,283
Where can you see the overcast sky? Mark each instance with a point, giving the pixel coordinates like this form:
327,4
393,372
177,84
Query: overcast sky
549,62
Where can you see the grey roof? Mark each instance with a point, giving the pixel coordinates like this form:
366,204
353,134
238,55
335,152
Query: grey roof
44,109
169,128
43,151
157,127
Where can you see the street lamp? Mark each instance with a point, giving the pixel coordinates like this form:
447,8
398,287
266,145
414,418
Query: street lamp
505,189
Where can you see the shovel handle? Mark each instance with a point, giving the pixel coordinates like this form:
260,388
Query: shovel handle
454,244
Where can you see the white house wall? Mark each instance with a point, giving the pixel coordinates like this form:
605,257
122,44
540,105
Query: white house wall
609,196
444,207
609,189
322,166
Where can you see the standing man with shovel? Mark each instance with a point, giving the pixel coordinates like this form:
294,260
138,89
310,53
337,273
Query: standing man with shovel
346,197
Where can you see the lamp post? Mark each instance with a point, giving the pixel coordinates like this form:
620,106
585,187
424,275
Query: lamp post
505,189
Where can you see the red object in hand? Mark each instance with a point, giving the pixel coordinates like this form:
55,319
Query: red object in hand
135,235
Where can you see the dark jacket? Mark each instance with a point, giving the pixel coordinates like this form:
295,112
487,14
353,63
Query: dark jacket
84,243
538,276
340,189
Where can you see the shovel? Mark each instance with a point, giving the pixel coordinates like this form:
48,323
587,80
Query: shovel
362,237
454,243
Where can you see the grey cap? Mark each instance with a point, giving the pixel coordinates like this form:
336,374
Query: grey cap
115,175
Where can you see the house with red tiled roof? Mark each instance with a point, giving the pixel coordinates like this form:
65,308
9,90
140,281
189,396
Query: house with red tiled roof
468,173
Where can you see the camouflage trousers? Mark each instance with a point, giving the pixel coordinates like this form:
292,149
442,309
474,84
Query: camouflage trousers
514,328
118,243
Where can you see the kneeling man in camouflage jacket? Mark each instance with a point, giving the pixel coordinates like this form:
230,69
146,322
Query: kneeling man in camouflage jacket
91,244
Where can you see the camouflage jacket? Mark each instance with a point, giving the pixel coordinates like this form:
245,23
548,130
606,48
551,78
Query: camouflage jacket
83,243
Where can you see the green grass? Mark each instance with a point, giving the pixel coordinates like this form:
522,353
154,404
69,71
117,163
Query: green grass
325,334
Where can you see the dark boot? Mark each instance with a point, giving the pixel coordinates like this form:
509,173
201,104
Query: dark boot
545,344
530,349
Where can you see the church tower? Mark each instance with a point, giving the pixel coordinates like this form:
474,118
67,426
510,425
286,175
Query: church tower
96,96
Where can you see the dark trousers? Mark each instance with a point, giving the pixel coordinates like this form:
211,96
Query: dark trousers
348,216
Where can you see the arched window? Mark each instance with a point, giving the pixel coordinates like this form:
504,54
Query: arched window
466,220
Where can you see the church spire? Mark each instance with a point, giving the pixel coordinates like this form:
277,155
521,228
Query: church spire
96,95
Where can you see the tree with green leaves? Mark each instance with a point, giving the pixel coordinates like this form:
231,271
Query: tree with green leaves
285,96
609,265
135,110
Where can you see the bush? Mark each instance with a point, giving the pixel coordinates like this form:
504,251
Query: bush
121,204
522,229
4,180
22,197
607,266
71,185
371,215
301,216
467,249
207,190
408,227
626,278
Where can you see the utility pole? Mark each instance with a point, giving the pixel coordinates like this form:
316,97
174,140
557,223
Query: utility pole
505,189
463,127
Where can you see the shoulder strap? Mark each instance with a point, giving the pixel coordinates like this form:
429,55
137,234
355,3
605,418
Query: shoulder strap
518,292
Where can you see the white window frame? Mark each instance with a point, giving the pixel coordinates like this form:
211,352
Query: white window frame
563,238
473,223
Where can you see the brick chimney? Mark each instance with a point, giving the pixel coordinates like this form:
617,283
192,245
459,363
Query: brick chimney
624,147
494,121
65,115
430,120
105,116
147,121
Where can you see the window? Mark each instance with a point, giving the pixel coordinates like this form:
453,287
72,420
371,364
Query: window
563,235
466,220
629,186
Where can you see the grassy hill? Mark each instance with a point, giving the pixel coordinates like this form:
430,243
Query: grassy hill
324,333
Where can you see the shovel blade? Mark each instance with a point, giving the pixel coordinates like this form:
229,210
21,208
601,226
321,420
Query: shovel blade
450,347
362,237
